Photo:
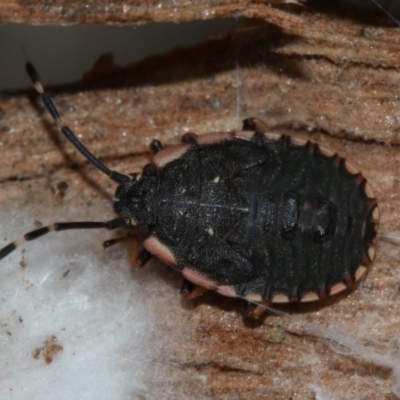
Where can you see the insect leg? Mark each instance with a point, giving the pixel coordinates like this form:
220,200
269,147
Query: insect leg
253,310
190,291
63,226
33,75
112,242
144,257
156,146
255,124
136,261
189,138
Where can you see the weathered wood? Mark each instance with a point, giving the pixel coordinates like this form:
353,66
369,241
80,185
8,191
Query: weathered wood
321,76
123,11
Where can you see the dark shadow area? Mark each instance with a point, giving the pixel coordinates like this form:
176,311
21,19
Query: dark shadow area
255,44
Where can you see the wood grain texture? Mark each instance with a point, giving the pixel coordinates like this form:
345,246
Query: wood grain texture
317,74
122,12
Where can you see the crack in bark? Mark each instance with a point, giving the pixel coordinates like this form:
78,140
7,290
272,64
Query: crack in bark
213,365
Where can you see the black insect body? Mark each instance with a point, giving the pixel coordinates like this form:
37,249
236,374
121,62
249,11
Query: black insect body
248,214
258,217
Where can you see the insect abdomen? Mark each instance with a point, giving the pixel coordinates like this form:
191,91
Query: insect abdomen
272,218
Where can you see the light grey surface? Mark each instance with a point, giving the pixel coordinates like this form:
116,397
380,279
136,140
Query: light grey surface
63,54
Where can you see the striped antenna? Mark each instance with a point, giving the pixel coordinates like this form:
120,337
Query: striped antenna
48,102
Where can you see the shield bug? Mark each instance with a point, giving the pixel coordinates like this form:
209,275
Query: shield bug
249,214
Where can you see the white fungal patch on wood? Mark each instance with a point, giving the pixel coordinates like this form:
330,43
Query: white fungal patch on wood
88,299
